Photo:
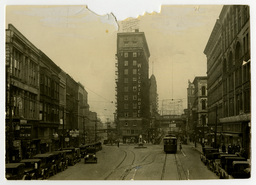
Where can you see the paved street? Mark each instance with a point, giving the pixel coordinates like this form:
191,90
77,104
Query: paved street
130,163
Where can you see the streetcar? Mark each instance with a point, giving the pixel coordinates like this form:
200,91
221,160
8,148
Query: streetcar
170,144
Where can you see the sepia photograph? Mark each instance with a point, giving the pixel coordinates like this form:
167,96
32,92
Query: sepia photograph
142,90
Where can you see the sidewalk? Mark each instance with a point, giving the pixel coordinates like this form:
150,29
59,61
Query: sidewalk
198,146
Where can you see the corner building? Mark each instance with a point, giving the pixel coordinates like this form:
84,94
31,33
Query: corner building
132,86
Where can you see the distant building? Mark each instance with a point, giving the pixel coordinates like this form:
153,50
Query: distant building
190,102
228,70
132,86
153,96
199,107
49,103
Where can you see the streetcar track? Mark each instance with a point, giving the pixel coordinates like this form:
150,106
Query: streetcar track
163,170
180,169
106,178
177,165
127,171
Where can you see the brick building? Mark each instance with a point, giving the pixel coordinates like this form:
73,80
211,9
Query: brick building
132,86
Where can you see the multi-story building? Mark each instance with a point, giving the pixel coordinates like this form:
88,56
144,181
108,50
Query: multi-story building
49,104
22,94
228,71
83,111
62,107
190,102
132,86
199,107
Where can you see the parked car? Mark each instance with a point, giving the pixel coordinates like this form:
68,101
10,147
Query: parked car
212,159
15,171
70,154
60,160
90,155
48,164
33,168
206,153
226,165
241,169
83,150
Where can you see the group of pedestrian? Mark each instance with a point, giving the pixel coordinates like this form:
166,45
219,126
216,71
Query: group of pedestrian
232,149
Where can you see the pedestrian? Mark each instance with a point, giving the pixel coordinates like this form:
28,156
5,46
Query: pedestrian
180,146
118,143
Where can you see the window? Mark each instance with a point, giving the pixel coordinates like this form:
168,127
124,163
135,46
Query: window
126,97
203,104
134,71
134,62
134,79
125,80
126,63
125,89
203,90
126,43
134,97
126,106
134,43
126,124
134,54
126,115
135,106
125,54
134,88
126,71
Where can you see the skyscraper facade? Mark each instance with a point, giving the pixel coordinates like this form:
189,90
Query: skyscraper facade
132,86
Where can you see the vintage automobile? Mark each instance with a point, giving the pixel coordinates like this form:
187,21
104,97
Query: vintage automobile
212,159
220,163
226,165
206,153
83,150
241,169
70,155
48,164
33,168
15,171
90,156
60,160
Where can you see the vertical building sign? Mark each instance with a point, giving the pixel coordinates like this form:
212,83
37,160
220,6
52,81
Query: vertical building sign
139,86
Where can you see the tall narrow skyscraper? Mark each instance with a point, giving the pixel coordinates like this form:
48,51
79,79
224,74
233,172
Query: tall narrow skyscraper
132,86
